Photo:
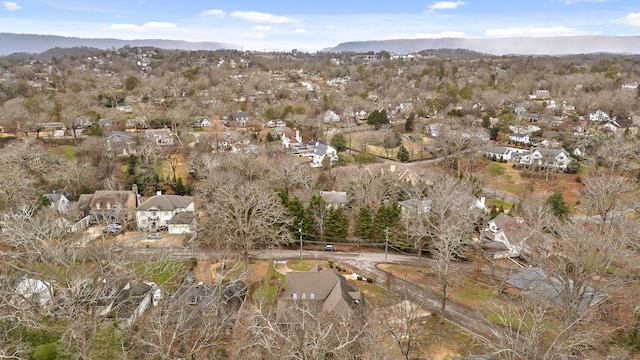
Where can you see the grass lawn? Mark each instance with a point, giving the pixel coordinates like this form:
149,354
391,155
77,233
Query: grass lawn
267,289
306,265
68,151
163,273
505,205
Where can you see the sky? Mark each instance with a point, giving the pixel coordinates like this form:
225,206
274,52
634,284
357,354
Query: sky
269,25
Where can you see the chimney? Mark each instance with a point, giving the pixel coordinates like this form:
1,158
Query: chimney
159,192
298,138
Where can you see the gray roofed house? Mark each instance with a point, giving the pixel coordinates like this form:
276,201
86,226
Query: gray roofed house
536,282
182,223
320,152
334,199
109,204
155,212
323,289
58,201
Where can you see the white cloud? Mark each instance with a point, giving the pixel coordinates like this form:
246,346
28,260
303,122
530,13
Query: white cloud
632,19
11,6
255,16
445,5
444,34
147,26
213,12
300,31
261,28
535,32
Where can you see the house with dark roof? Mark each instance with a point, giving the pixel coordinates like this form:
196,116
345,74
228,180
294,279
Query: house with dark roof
320,152
158,211
557,159
321,289
221,300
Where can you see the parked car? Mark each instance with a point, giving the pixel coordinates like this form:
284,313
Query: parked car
154,236
328,247
112,229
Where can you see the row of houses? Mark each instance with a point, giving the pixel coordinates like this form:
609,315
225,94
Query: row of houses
542,157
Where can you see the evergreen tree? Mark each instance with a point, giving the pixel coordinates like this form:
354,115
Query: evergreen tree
339,142
364,224
558,205
178,186
301,218
403,154
387,217
336,224
408,126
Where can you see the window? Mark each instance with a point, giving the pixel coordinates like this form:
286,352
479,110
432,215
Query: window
295,296
304,296
312,296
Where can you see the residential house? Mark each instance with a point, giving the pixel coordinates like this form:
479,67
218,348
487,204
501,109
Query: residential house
540,94
222,300
599,115
121,142
499,153
505,229
433,129
557,159
520,138
320,152
109,204
616,125
532,118
154,213
323,289
162,137
182,223
537,283
58,202
239,118
334,199
330,117
413,206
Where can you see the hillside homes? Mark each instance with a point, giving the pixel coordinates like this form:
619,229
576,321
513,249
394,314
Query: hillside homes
174,213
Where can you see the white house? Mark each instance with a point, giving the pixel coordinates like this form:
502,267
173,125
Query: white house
157,211
599,115
59,202
554,158
502,229
320,152
330,117
520,138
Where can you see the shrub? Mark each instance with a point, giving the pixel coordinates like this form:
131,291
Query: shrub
330,263
370,280
359,278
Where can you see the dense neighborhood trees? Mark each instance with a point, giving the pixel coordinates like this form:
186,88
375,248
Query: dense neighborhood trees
252,193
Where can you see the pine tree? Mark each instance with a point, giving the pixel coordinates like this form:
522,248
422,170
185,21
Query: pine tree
387,217
301,218
558,205
337,224
364,224
403,154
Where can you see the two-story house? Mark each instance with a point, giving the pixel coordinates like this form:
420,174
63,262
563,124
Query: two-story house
156,212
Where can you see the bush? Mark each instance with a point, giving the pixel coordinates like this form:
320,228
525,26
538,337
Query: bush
48,351
359,278
578,179
370,280
330,263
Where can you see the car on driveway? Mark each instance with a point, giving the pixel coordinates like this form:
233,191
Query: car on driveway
112,229
328,248
154,236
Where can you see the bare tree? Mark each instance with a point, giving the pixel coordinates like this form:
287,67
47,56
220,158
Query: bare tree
603,194
242,217
449,223
305,332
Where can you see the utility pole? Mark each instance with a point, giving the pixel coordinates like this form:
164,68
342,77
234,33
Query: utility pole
386,243
300,232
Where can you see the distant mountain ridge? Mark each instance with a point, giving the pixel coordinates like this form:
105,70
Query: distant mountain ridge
31,43
561,45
